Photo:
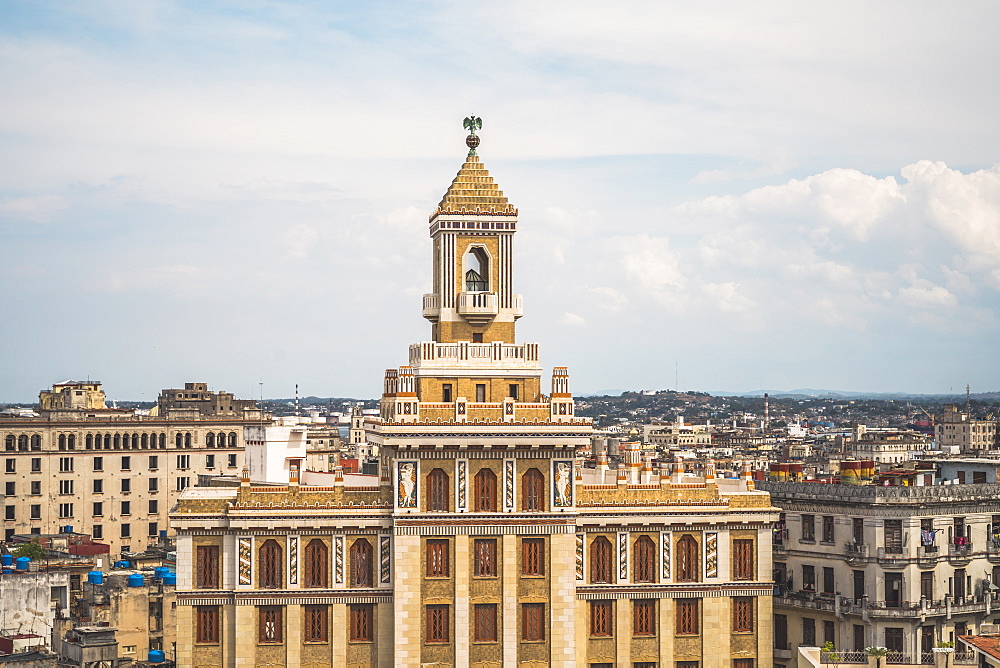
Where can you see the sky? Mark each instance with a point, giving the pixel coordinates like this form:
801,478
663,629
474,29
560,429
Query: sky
713,196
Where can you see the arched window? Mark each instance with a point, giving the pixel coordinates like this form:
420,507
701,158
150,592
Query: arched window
9,443
477,269
209,440
485,491
22,442
118,441
600,560
437,490
107,441
62,442
89,442
145,441
532,490
687,559
644,560
71,442
135,441
361,563
232,439
163,440
317,560
272,574
187,440
179,440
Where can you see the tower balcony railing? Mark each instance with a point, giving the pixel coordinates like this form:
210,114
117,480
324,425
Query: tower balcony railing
478,303
432,354
432,305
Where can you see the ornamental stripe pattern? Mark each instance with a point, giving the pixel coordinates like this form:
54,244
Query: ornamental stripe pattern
579,556
508,484
245,551
623,556
712,555
462,485
293,560
338,559
383,549
665,555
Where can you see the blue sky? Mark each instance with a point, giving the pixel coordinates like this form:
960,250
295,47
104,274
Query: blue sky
760,195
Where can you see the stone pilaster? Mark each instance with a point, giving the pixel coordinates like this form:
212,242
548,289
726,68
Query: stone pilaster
510,575
406,600
562,600
246,645
463,618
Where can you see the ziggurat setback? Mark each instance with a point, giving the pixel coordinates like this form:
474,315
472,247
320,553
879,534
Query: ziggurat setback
482,542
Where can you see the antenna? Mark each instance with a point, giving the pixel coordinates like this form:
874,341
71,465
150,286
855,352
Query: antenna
296,400
967,399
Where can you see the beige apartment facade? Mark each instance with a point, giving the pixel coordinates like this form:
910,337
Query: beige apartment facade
107,472
482,542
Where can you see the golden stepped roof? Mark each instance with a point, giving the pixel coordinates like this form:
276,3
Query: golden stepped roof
473,192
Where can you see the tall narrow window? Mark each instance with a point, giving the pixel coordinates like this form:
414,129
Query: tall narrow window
687,616
809,527
480,392
893,536
533,621
533,556
437,624
600,618
484,623
206,624
437,558
446,392
532,490
644,617
437,489
743,561
477,268
828,535
270,624
271,571
485,490
742,614
687,559
362,621
316,566
361,563
644,560
485,557
316,626
600,560
208,566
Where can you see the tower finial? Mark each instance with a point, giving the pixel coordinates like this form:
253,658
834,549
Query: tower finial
472,123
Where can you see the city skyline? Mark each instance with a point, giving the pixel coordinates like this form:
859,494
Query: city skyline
778,198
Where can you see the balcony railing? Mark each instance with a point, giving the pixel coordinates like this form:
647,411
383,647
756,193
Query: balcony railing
478,303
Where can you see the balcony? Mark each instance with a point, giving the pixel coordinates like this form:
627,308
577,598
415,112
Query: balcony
478,307
857,553
993,550
960,553
891,557
432,306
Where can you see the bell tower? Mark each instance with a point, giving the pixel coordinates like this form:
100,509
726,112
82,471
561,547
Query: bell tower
472,232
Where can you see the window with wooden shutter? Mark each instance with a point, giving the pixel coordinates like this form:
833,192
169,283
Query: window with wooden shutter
533,621
600,618
208,566
437,629
317,623
317,564
362,622
270,629
361,563
207,624
484,622
485,491
600,560
688,557
743,663
532,490
272,572
687,616
533,556
485,557
438,491
743,561
644,617
437,558
743,614
644,560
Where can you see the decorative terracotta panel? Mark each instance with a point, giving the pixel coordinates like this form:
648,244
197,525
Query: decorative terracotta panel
245,551
711,555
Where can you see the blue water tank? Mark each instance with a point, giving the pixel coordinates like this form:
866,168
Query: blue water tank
7,571
6,560
159,572
122,564
95,577
22,563
68,528
136,580
156,656
170,579
163,533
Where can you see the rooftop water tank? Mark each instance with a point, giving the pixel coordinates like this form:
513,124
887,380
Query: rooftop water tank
95,577
68,528
159,572
22,563
136,580
156,656
170,579
6,560
122,564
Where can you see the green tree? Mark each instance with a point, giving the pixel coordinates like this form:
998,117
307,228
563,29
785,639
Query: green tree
31,550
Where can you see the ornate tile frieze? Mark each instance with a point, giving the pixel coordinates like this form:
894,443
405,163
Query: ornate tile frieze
665,556
245,554
293,560
711,555
463,485
579,556
384,556
338,559
623,556
508,484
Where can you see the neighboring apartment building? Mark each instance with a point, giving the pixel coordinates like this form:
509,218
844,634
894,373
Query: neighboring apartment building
903,567
143,614
107,472
958,433
887,446
480,542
